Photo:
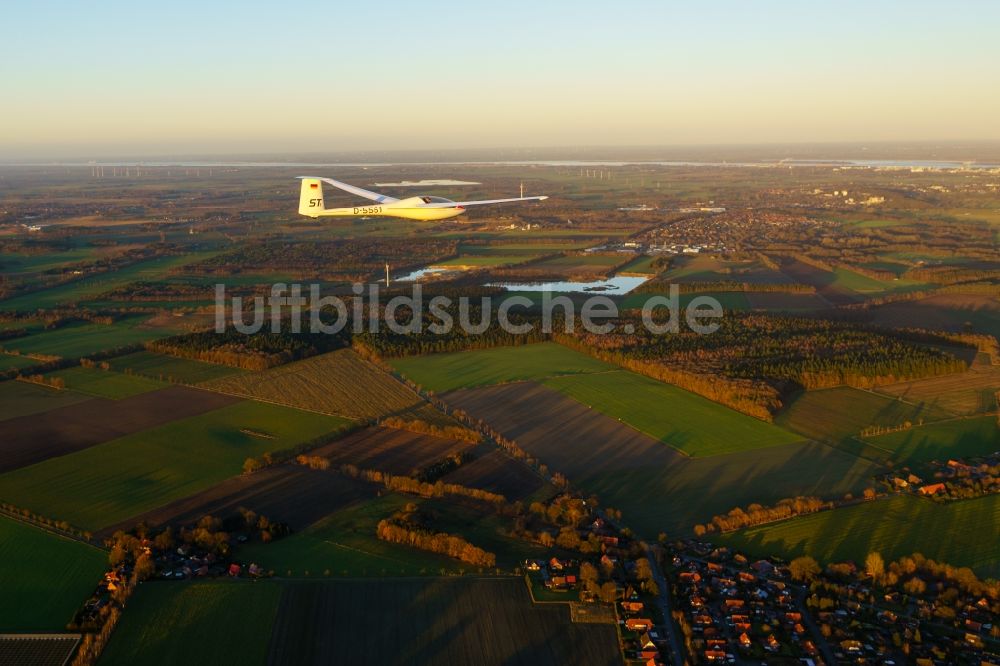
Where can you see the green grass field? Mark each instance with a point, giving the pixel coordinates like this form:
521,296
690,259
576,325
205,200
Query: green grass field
106,383
729,300
642,265
673,497
344,543
899,525
447,372
11,361
835,414
89,287
45,578
109,483
958,438
689,423
82,339
169,368
173,622
482,260
22,399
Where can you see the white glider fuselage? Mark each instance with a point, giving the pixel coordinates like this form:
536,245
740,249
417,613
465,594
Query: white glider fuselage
423,208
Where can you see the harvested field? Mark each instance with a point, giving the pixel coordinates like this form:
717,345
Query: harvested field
657,488
961,393
338,383
37,649
708,268
33,438
499,473
288,493
436,621
388,450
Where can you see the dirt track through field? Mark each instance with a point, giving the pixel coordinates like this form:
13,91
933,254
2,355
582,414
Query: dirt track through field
27,440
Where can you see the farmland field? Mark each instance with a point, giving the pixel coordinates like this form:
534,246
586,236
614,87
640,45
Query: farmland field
344,544
11,361
105,384
113,481
338,383
832,415
440,621
947,312
45,577
89,287
776,301
168,368
77,340
956,438
656,487
959,393
499,473
388,450
22,399
691,424
705,268
447,372
899,525
432,621
223,622
62,430
288,493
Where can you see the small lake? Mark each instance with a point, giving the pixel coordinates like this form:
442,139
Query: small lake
421,273
617,285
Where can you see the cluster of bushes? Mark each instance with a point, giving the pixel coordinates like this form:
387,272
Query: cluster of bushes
757,514
407,484
404,528
422,427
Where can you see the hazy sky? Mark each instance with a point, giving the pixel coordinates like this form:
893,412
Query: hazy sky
100,77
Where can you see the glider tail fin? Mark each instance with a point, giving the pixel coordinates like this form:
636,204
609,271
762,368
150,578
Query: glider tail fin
311,197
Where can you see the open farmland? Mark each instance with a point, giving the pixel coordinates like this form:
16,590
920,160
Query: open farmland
959,393
899,525
104,383
44,577
836,414
222,622
338,383
22,399
288,493
955,438
829,285
497,472
691,424
60,431
388,450
707,268
945,312
83,339
169,368
344,544
482,367
442,621
134,474
436,621
656,487
778,302
89,287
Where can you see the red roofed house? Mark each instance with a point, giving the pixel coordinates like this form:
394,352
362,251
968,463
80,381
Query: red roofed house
932,489
638,624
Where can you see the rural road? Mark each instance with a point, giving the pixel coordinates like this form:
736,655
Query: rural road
663,601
